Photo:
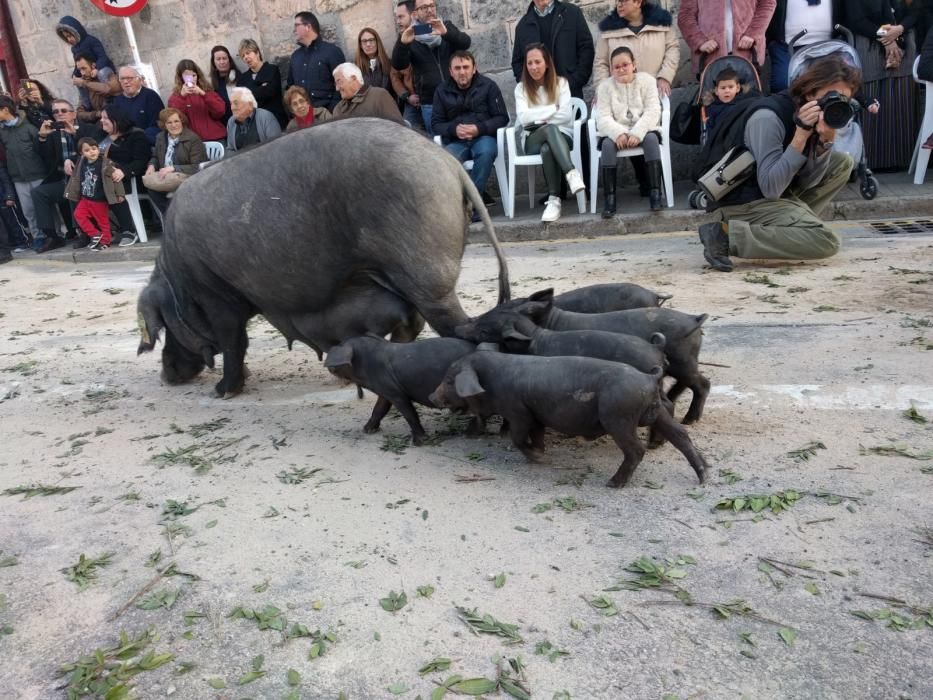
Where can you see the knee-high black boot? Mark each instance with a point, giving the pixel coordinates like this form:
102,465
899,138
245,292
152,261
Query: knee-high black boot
641,177
654,185
609,192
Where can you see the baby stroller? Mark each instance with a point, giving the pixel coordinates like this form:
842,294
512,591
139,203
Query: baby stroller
849,138
690,121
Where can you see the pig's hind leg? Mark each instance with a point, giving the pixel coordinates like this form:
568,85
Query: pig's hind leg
624,433
679,438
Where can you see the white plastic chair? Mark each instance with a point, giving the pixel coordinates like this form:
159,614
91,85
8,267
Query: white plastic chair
629,152
921,158
512,135
132,199
498,164
215,150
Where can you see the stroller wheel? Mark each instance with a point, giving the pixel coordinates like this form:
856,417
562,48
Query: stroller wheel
702,200
869,187
694,199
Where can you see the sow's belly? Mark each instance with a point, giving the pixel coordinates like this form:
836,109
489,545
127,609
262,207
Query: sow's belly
572,411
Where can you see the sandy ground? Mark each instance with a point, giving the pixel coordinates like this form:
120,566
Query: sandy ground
830,352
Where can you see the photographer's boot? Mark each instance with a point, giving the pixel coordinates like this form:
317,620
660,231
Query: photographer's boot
609,192
654,185
715,242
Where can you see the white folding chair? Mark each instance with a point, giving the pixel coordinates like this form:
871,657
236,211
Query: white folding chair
629,152
215,150
513,134
921,157
132,199
498,164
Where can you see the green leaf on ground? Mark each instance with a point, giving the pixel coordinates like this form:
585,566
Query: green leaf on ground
394,601
787,635
85,571
436,664
499,580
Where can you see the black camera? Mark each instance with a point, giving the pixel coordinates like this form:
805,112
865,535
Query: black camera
838,110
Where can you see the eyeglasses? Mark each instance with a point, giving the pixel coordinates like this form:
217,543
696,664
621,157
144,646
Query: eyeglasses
62,111
432,6
128,78
367,41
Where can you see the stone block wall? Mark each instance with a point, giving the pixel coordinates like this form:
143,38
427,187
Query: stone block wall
170,30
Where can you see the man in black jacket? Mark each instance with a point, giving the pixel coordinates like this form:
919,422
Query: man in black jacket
313,62
562,28
468,109
58,143
428,53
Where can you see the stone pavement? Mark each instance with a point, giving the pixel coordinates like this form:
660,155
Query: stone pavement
898,198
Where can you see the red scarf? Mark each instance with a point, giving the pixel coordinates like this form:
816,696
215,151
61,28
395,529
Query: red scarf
307,121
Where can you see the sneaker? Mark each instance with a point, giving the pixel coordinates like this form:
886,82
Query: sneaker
575,182
475,218
21,248
928,144
97,245
82,241
487,198
50,243
716,246
551,210
128,238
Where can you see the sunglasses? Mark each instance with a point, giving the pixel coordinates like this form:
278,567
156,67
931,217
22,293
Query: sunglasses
62,111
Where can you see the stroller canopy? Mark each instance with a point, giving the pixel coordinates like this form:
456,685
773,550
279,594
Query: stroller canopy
805,56
748,76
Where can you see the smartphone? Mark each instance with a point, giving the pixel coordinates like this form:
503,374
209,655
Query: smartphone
423,29
25,84
189,80
59,125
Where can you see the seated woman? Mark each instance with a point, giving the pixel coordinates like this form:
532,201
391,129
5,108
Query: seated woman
629,116
298,102
177,150
263,79
194,97
128,149
249,124
542,107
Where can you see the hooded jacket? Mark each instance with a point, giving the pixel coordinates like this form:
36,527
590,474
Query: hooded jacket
86,43
656,46
571,44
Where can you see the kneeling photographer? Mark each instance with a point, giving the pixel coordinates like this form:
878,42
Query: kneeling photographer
774,213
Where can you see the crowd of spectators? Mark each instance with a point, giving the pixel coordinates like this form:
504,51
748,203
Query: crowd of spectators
428,80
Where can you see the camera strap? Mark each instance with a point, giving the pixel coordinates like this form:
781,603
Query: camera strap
802,124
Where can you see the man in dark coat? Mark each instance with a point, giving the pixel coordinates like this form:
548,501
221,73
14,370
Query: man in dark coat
468,109
313,62
562,28
428,53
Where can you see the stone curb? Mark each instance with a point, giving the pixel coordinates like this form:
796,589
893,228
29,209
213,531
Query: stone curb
570,226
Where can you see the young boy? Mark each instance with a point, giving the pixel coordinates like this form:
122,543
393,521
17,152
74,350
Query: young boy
726,87
93,188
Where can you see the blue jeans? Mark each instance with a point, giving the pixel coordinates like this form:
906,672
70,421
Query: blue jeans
780,64
412,115
482,151
426,112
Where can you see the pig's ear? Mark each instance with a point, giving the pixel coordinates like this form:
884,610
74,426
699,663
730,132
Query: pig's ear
511,333
467,384
544,295
339,356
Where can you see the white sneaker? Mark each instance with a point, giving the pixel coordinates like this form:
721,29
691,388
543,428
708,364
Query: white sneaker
551,210
575,182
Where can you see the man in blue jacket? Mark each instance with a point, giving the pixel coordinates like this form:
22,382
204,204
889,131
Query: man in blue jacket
313,63
141,104
468,109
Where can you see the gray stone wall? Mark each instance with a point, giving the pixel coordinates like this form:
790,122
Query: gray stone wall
170,30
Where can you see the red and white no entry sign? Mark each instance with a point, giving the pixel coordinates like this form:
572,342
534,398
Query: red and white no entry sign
120,8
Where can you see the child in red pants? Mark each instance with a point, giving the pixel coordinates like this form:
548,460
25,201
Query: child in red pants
92,187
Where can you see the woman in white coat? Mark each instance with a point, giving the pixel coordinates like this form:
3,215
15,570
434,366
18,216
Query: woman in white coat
543,108
629,115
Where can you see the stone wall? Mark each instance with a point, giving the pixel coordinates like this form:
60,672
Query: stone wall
170,30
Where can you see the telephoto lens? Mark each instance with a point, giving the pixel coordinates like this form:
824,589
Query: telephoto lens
838,110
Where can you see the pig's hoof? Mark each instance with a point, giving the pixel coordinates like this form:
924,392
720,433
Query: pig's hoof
417,439
702,477
613,484
536,456
369,428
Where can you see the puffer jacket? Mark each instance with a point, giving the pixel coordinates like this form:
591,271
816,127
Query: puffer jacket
701,21
86,43
189,152
480,104
632,108
656,46
23,159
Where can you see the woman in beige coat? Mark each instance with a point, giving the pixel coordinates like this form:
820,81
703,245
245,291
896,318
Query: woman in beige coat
649,31
629,115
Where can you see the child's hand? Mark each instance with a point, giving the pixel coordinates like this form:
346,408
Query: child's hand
120,200
874,107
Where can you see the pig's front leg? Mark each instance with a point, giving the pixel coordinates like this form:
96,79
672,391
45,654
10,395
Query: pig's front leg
379,412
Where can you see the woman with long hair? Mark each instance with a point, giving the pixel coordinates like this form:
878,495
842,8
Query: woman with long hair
373,61
223,76
35,100
194,97
263,79
629,116
542,106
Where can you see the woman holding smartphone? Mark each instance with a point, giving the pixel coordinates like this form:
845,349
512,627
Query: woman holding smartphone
194,97
36,101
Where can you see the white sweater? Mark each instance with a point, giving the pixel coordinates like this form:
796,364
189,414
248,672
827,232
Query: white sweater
628,108
560,114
